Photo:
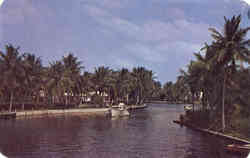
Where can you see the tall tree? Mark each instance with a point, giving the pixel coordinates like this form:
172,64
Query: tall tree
32,81
71,73
101,78
12,71
230,47
143,83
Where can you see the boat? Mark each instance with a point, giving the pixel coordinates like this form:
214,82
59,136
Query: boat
241,149
188,107
135,107
2,156
120,110
7,115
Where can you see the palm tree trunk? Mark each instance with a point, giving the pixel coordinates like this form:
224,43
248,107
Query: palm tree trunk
23,106
37,99
193,101
127,99
223,104
24,98
66,99
11,101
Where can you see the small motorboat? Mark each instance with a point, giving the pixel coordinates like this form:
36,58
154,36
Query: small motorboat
188,107
120,110
241,149
2,156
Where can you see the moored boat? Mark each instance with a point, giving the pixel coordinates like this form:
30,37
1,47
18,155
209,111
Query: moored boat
2,156
120,110
188,107
241,149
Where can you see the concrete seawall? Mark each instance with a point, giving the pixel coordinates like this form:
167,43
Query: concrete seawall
100,111
83,111
218,134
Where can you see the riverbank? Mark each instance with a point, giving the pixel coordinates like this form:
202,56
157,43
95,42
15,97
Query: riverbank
166,102
215,133
89,111
54,112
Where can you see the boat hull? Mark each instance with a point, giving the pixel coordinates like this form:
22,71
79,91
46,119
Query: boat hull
240,149
115,112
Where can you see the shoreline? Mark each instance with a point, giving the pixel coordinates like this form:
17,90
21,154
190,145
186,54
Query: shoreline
87,111
166,102
215,133
55,112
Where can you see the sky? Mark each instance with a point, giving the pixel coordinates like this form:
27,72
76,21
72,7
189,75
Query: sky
161,35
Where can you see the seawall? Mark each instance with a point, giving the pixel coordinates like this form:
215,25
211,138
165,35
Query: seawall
90,111
207,131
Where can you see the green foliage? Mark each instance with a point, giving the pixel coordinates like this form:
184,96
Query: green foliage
201,118
219,75
242,125
62,82
97,100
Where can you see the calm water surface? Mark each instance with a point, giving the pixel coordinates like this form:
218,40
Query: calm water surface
147,133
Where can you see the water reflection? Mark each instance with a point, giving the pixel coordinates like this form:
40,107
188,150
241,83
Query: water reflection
146,133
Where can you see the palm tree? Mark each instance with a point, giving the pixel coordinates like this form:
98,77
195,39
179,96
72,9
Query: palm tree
84,85
230,47
101,79
143,83
12,71
32,81
120,85
53,79
72,72
167,90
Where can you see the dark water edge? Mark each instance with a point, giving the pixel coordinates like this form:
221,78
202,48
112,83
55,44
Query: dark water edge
146,133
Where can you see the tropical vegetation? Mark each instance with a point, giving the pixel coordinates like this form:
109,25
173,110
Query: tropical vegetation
217,81
25,83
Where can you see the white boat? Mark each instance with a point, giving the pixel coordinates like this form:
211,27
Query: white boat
120,110
188,107
2,156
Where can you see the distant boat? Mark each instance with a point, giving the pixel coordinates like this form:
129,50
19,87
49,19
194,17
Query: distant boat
188,107
120,110
241,149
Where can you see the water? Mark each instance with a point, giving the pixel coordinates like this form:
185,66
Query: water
147,133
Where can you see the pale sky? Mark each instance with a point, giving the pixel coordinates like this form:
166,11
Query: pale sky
161,35
247,1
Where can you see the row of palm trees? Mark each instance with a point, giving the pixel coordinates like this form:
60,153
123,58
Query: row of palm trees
24,80
218,75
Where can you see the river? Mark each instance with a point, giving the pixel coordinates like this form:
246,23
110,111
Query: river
146,133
